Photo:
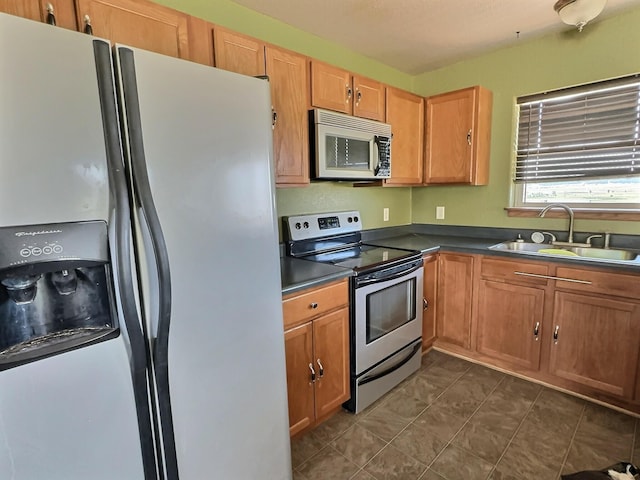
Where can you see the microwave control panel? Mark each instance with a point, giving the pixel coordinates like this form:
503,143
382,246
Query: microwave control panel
303,227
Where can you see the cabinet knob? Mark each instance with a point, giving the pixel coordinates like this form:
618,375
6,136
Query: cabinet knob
88,29
425,303
313,373
51,18
349,93
555,334
469,137
274,117
536,330
358,96
314,305
321,369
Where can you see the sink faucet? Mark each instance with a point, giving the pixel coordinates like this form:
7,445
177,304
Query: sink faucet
568,210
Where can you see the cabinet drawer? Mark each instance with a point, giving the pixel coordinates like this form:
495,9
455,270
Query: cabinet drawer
514,272
299,308
596,281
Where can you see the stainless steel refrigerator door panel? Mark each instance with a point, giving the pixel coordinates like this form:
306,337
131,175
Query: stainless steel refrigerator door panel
50,428
207,144
52,147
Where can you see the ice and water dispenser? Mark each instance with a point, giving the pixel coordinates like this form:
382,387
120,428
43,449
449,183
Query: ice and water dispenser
56,291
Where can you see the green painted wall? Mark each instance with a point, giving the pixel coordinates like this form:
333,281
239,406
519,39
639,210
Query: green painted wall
605,49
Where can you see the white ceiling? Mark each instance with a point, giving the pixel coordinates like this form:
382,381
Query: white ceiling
415,36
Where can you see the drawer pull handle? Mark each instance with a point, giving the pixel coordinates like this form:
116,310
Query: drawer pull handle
313,373
425,303
51,18
321,370
555,334
550,277
536,330
314,305
88,29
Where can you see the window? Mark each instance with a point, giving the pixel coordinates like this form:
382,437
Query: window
580,146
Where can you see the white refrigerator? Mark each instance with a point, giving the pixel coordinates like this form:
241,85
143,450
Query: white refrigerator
146,183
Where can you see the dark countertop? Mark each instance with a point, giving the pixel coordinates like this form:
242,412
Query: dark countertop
297,274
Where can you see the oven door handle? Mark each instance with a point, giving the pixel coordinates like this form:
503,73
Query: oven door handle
364,282
392,369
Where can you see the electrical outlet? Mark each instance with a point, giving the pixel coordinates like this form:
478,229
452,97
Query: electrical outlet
385,214
439,213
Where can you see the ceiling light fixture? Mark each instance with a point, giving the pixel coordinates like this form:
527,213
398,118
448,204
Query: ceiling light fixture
578,12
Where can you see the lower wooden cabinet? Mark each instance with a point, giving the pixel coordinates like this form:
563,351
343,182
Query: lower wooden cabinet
577,328
317,354
429,301
455,277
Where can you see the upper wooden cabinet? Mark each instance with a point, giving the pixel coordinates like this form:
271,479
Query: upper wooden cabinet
405,114
289,78
238,53
63,11
138,23
288,74
336,89
458,137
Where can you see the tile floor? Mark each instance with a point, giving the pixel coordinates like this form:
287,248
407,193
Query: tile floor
455,420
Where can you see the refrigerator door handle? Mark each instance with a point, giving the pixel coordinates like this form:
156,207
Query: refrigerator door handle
143,195
122,260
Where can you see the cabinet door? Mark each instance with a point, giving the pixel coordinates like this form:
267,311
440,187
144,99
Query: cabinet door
138,23
238,53
595,342
289,79
62,10
454,299
405,113
449,133
369,99
330,87
429,301
298,344
331,360
509,319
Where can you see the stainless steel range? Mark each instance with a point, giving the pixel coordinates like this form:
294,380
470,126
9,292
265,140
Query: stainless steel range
386,315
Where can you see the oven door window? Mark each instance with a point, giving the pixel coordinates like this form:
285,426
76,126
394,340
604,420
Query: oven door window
390,308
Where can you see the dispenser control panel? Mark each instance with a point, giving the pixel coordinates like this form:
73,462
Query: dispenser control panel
53,242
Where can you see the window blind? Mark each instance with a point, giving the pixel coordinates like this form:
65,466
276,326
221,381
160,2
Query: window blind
582,132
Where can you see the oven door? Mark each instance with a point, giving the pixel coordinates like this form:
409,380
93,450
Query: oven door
387,313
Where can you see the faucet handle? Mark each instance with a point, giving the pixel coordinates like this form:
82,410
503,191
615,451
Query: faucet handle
553,237
591,237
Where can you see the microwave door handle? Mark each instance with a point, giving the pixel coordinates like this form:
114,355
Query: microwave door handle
376,155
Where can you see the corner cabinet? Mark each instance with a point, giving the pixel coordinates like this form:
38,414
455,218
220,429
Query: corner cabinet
430,290
455,286
289,80
458,137
405,114
316,323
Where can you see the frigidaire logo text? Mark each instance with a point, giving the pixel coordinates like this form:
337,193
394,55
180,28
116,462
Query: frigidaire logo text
39,232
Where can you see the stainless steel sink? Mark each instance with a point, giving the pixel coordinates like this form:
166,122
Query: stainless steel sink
604,254
520,247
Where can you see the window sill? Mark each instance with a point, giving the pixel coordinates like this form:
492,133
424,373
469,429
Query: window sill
586,213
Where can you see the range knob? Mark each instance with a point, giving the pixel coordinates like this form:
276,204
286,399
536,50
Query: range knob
355,219
306,224
349,220
298,226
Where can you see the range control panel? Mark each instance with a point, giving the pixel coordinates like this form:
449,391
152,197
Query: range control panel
305,227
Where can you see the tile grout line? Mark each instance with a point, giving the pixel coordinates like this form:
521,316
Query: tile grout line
513,436
575,432
465,424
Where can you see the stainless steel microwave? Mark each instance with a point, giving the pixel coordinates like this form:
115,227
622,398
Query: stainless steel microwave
350,148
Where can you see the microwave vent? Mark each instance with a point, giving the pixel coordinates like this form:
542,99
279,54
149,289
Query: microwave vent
326,117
